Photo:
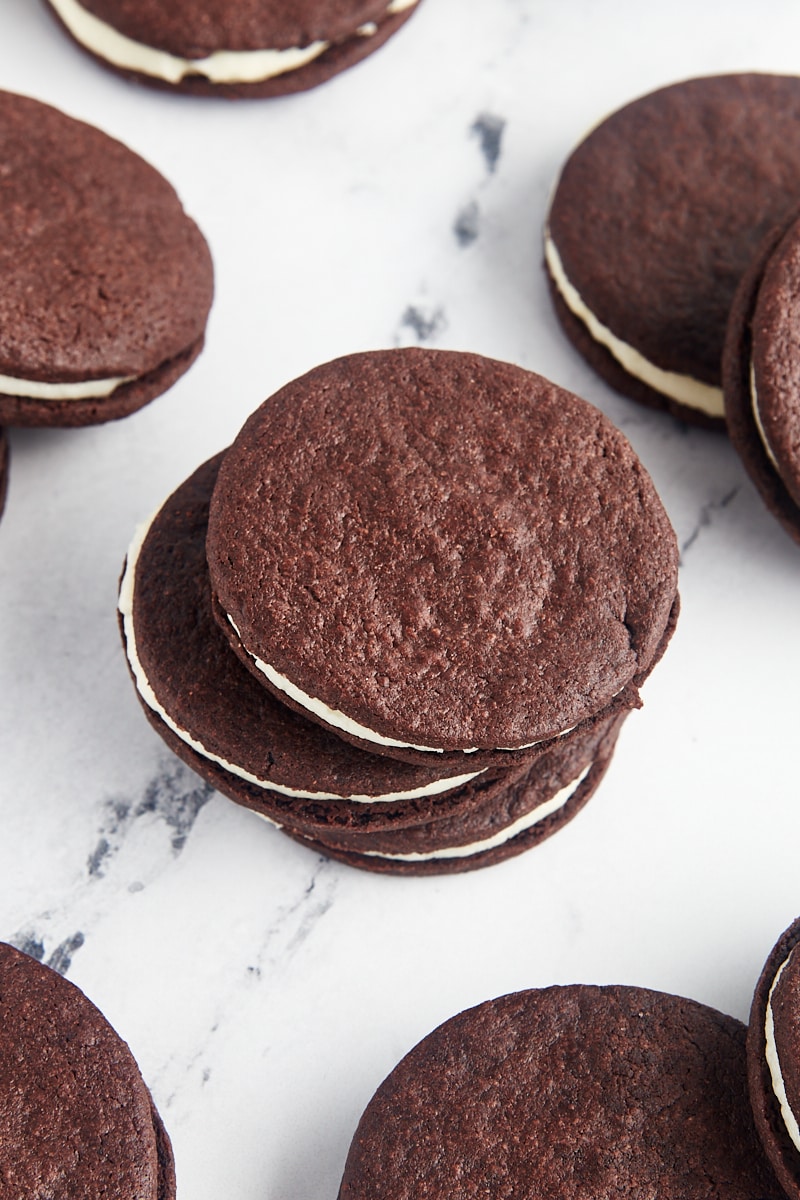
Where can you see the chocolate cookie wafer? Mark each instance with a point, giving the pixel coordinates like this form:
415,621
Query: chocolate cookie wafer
656,217
574,1092
105,282
432,553
234,48
75,1116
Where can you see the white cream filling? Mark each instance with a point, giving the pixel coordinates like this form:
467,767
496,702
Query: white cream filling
771,1055
762,433
34,389
498,839
339,720
125,604
691,392
223,66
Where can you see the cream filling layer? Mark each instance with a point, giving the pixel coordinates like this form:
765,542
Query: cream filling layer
223,66
125,605
498,839
683,388
34,389
339,720
762,433
771,1055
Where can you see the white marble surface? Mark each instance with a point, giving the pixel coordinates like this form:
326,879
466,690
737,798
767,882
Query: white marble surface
265,991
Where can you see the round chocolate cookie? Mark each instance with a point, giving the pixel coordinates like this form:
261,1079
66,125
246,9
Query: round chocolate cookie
577,1092
498,818
656,217
428,551
105,282
75,1116
234,48
223,722
761,374
773,1059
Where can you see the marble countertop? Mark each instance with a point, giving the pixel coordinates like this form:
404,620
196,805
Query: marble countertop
266,991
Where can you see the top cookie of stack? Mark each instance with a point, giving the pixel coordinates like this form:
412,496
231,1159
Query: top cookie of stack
439,553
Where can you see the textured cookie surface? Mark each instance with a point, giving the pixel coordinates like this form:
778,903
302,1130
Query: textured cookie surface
213,47
577,1092
205,702
449,551
762,377
103,275
773,1059
75,1117
660,209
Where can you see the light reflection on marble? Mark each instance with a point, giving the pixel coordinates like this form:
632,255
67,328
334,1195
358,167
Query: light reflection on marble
264,990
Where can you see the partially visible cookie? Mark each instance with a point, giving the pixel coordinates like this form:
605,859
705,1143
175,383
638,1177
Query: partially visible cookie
571,1092
656,216
234,48
497,817
431,552
773,1058
105,282
761,373
75,1116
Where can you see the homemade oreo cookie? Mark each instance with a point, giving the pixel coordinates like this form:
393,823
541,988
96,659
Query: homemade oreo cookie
451,814
75,1116
773,1059
656,217
435,553
761,374
105,282
575,1092
233,48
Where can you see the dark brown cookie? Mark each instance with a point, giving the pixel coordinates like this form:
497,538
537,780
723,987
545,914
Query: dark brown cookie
578,1092
431,551
773,1059
75,1117
234,48
220,719
761,374
498,819
656,217
106,282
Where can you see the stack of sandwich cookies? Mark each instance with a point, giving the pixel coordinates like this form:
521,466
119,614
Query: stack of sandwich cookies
397,801
76,1119
370,810
106,282
575,1092
773,1059
241,49
656,217
761,372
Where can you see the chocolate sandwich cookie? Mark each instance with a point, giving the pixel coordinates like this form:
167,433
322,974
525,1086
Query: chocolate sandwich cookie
773,1059
655,219
105,282
75,1116
761,374
434,553
236,49
497,819
575,1092
223,722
